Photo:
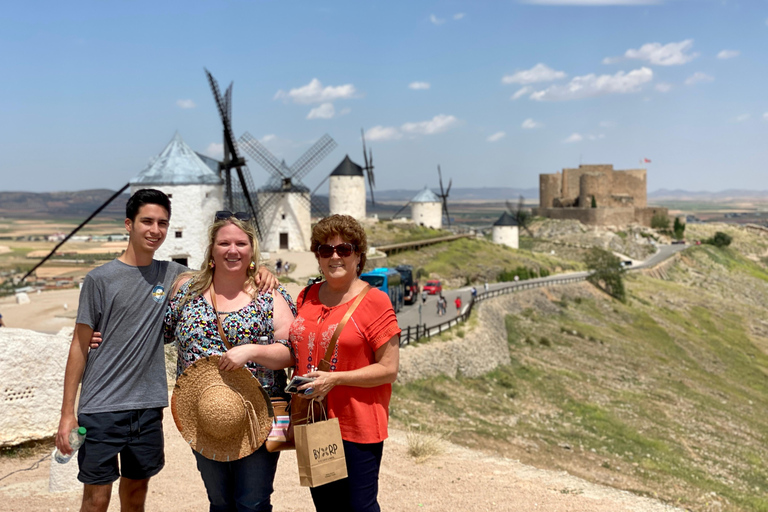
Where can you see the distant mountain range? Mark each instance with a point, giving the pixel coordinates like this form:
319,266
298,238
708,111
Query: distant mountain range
80,204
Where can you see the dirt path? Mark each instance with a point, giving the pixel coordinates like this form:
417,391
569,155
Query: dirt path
458,479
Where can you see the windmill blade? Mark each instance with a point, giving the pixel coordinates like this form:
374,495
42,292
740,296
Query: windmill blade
70,235
312,156
262,155
229,140
445,210
368,167
243,178
440,177
401,209
320,185
228,102
448,190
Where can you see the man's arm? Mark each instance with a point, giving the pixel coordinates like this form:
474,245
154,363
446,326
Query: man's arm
78,353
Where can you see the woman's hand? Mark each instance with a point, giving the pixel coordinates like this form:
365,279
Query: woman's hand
236,357
323,384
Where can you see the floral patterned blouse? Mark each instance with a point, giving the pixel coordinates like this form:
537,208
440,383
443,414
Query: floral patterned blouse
193,327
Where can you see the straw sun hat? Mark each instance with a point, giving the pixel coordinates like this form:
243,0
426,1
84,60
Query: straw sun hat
223,415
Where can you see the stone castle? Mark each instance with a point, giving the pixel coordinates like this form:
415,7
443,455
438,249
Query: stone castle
596,195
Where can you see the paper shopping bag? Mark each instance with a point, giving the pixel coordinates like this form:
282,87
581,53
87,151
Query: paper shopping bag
320,453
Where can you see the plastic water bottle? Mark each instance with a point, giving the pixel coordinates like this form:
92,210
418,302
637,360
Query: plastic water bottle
76,440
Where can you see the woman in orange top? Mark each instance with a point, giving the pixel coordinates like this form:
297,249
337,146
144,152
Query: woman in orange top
364,364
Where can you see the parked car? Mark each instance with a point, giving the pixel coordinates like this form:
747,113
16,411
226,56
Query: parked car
433,287
678,242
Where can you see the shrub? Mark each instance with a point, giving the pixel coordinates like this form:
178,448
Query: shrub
660,221
719,240
607,272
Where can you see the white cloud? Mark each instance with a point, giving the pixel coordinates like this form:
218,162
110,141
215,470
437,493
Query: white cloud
458,15
742,118
574,137
496,137
728,54
607,124
344,111
591,85
530,124
419,86
592,2
697,78
437,124
324,111
671,54
383,133
663,87
538,73
435,20
269,137
522,92
185,104
314,92
215,150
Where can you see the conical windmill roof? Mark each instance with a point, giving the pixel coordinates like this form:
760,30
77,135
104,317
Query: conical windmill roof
177,164
426,196
347,168
506,220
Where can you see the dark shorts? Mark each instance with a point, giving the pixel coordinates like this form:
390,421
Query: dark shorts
137,436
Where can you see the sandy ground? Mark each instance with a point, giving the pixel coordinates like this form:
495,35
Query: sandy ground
457,479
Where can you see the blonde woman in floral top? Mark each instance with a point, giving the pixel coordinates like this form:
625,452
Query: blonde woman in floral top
256,324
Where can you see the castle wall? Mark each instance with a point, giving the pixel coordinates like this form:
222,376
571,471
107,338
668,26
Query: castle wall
632,183
549,189
597,185
572,178
346,196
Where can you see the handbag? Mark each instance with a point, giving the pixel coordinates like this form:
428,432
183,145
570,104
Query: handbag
302,410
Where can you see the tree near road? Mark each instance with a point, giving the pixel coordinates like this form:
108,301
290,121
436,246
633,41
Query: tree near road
606,272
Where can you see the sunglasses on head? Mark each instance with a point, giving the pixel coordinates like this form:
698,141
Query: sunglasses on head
343,250
226,214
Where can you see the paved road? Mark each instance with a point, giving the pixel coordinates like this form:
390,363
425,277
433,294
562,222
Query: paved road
410,314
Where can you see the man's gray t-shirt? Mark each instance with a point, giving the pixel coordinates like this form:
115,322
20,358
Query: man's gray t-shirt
127,305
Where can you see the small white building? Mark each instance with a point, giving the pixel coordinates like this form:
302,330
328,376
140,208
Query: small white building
346,190
506,231
196,193
427,209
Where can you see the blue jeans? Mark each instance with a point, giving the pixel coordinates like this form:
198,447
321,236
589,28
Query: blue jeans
243,485
359,491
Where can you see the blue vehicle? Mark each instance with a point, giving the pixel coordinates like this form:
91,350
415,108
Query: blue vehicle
390,282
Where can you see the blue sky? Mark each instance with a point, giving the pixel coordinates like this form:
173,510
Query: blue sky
496,92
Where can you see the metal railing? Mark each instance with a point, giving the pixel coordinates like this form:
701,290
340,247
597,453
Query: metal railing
414,333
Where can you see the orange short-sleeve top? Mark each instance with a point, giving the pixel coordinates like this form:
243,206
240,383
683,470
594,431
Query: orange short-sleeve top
363,412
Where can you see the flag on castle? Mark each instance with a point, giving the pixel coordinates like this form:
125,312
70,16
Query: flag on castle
645,161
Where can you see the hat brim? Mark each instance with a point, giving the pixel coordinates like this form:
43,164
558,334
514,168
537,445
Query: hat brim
184,408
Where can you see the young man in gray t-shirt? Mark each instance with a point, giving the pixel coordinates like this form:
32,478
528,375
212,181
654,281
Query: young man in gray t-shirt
124,388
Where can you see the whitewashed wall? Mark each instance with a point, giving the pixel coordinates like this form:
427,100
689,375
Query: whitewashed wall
346,196
32,382
429,214
506,235
288,214
193,208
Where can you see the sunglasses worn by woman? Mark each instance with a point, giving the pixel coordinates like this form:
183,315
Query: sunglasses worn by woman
344,250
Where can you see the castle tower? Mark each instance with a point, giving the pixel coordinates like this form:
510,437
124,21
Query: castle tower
597,185
505,231
346,190
196,194
549,189
427,210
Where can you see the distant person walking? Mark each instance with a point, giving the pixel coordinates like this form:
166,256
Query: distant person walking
486,286
278,266
423,296
458,303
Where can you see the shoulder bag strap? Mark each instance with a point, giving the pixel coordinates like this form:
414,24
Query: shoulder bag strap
347,315
224,339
